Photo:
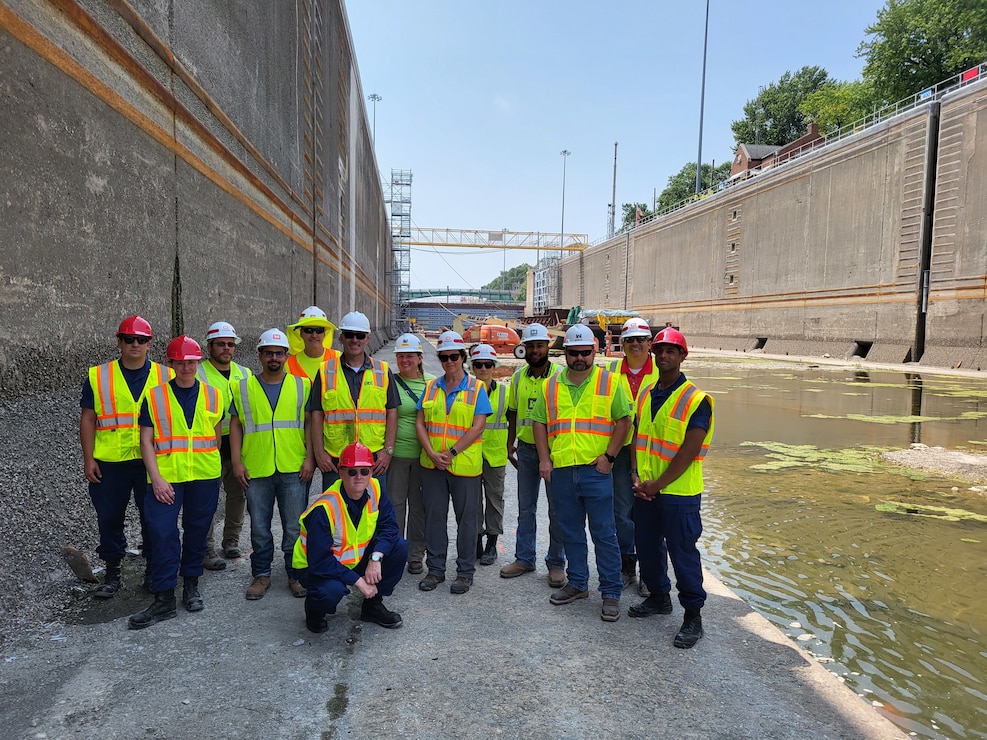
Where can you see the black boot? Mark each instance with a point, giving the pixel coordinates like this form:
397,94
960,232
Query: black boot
316,622
479,546
163,608
489,555
692,630
111,581
654,604
373,610
190,595
628,569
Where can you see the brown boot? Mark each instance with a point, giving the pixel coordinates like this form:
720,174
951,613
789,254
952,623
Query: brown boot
258,587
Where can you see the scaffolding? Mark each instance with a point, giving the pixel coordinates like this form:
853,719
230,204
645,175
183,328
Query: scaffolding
399,200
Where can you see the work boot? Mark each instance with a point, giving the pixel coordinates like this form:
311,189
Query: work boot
296,588
691,631
163,608
213,561
654,604
316,622
258,587
111,581
373,610
556,577
190,595
628,569
479,546
515,569
489,554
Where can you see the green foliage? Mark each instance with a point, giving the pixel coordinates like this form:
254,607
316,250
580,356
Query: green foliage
515,279
840,104
629,210
773,117
682,185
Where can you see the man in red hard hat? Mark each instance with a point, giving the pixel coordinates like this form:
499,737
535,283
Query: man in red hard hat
349,537
108,430
181,430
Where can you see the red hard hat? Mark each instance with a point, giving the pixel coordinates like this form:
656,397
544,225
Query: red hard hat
183,348
134,326
668,335
356,455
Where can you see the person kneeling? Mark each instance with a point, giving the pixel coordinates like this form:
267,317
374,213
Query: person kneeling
349,537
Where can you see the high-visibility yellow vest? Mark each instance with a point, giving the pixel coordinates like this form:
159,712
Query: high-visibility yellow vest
118,435
185,454
207,373
349,541
495,432
273,439
524,393
295,367
579,434
615,366
344,423
446,429
659,439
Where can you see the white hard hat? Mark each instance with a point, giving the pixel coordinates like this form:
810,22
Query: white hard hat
355,321
408,343
221,330
450,340
273,338
483,352
535,333
635,328
579,336
313,312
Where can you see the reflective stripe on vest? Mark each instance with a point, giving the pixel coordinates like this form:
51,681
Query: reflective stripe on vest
615,366
185,453
579,434
208,373
445,429
495,432
344,423
294,367
349,542
527,391
273,439
117,429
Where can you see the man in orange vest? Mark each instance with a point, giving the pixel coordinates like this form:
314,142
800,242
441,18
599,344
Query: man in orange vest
309,343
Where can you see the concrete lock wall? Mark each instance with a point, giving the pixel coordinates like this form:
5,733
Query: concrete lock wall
826,253
189,161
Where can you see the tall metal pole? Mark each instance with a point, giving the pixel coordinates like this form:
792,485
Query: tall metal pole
558,279
702,104
613,196
374,98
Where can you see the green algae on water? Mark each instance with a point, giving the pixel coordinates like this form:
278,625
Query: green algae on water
933,512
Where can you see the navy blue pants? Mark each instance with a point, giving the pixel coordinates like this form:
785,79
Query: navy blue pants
110,498
173,554
668,528
324,594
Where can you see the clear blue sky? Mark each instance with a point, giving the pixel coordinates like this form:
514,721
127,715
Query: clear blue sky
480,98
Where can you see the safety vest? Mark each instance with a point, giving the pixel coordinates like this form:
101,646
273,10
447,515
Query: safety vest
208,374
446,429
294,367
579,434
344,423
659,439
525,390
349,541
615,367
185,454
273,439
495,432
118,436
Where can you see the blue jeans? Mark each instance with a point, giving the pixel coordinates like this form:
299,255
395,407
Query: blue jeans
581,492
110,498
528,483
623,500
179,554
291,496
671,525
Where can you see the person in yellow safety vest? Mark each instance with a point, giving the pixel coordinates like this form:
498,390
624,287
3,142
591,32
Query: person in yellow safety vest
527,384
581,422
354,399
310,343
221,372
181,427
635,371
349,537
111,399
674,429
451,416
272,458
490,513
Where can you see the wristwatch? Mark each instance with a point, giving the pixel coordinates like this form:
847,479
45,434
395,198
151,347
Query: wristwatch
389,450
376,557
610,457
453,451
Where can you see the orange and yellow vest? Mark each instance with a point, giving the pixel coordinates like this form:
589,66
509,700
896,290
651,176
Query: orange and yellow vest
294,367
185,454
445,429
349,541
207,373
344,423
579,434
659,439
118,436
273,439
495,432
615,366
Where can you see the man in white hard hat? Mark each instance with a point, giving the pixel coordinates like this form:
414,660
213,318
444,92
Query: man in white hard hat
580,423
310,343
354,399
220,371
272,458
526,385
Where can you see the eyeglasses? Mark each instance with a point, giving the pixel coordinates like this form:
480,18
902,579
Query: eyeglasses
449,358
313,330
220,344
139,340
354,472
354,335
579,352
273,353
638,340
483,364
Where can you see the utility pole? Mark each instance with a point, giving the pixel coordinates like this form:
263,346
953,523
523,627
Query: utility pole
613,197
558,279
702,104
374,98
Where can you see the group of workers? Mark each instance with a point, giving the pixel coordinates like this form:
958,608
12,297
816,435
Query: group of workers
620,447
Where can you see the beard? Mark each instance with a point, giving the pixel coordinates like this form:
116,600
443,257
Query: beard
537,364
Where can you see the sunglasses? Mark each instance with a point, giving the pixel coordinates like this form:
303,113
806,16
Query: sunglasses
313,330
273,353
638,340
579,352
354,472
483,364
139,340
354,335
220,344
449,358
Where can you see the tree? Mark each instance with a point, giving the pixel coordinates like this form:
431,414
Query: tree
917,43
840,104
630,215
514,279
682,185
773,117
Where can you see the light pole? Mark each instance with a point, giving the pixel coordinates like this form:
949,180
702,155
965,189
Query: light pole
374,98
702,103
558,278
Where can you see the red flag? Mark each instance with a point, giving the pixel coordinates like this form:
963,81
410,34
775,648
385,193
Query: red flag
970,74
